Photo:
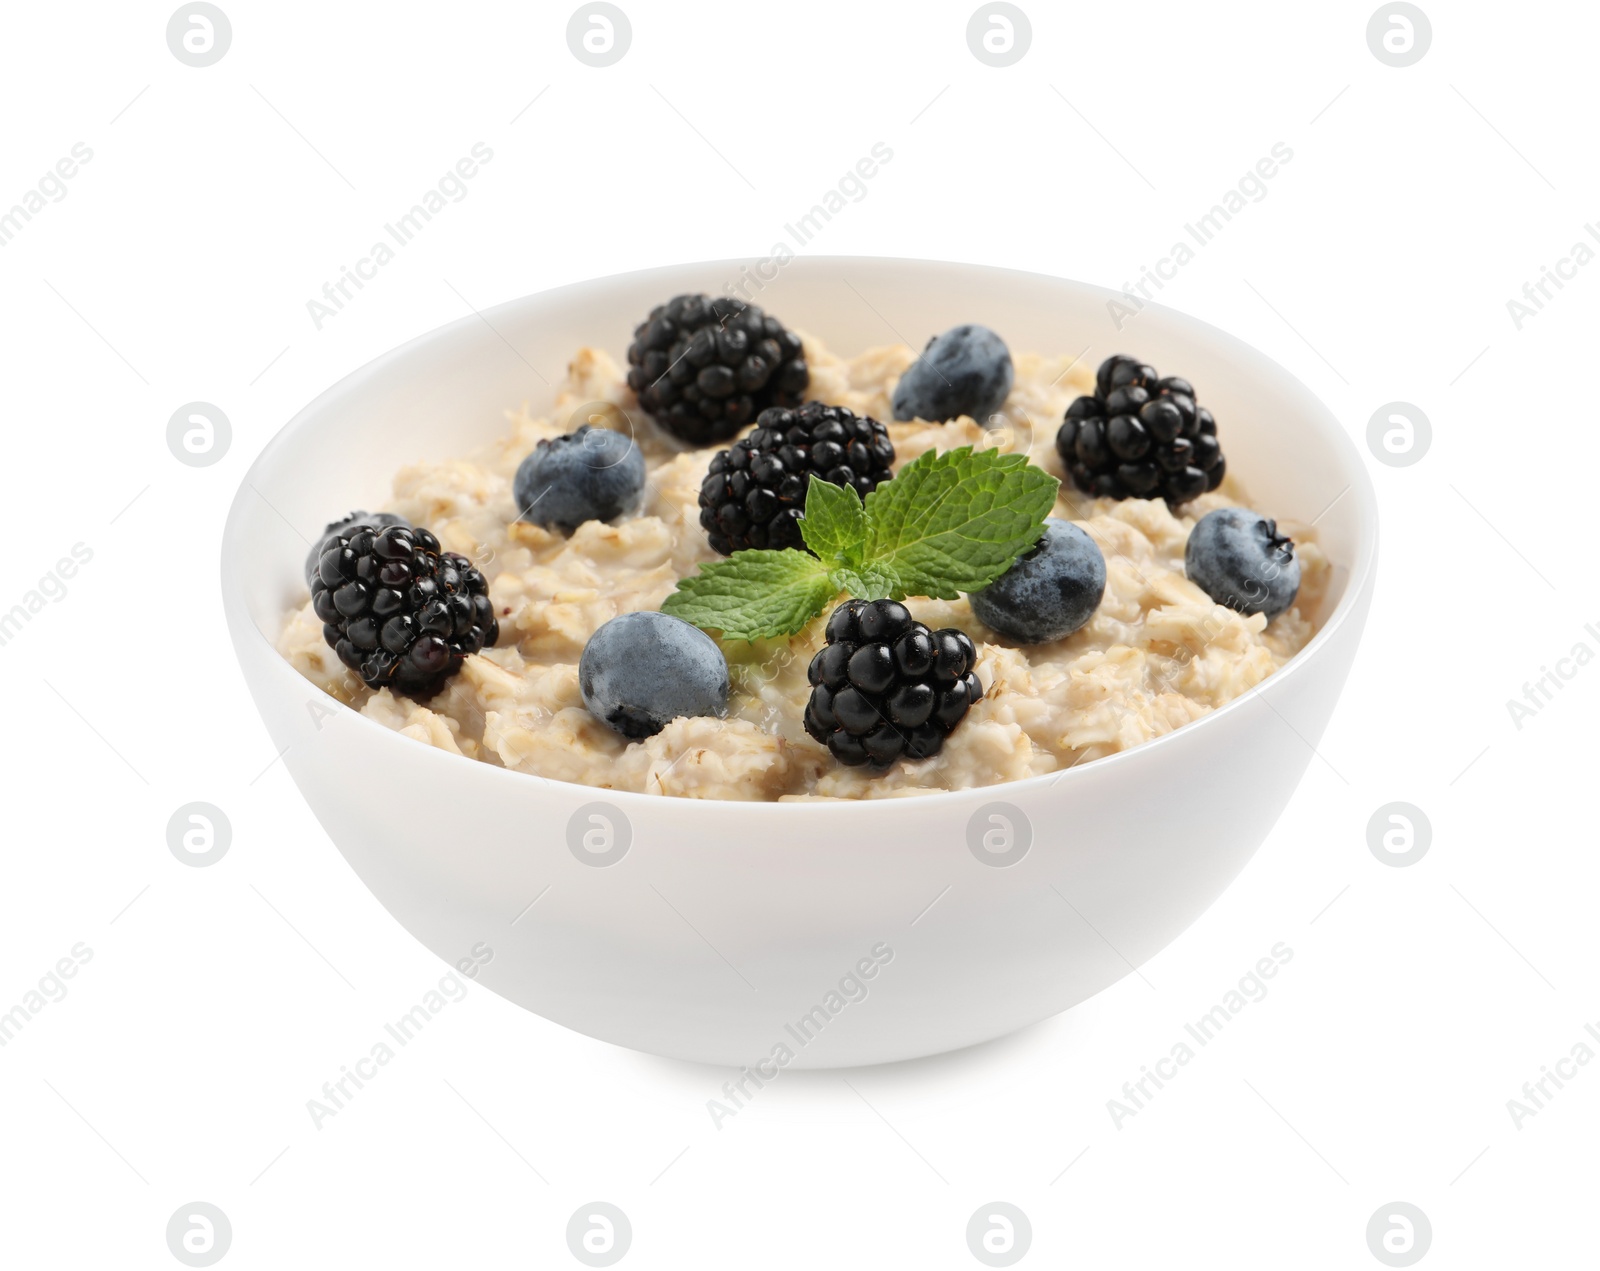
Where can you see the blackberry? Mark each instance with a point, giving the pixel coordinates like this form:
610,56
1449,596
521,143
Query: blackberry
755,491
347,525
1139,436
884,687
399,612
704,367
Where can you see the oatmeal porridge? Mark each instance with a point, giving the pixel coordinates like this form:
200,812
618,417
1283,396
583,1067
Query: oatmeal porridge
1157,652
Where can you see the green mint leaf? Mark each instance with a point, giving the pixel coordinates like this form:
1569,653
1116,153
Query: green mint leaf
948,523
953,522
872,581
754,595
835,524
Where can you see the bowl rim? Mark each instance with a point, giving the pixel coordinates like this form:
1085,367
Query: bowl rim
1358,584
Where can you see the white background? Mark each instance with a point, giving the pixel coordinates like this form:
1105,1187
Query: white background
218,1000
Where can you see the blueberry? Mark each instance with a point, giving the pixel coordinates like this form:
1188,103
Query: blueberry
965,371
593,474
1238,558
377,520
642,670
1050,591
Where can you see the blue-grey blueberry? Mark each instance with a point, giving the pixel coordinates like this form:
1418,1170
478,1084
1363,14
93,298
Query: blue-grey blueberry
593,474
965,371
1238,558
1050,591
642,670
377,520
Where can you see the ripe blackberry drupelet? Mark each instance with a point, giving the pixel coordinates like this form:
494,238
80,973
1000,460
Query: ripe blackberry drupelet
704,367
755,491
884,687
1140,436
399,612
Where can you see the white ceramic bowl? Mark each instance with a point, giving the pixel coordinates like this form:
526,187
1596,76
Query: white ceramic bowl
725,925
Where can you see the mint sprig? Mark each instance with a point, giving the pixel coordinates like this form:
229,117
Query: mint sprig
948,523
835,524
958,522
